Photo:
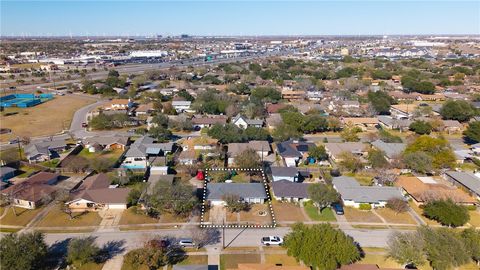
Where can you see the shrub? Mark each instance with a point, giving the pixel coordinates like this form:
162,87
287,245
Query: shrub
365,206
447,213
398,205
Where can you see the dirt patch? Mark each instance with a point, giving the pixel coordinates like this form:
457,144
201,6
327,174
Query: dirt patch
287,212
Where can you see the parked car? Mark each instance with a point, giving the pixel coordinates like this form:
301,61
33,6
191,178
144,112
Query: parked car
14,141
338,208
272,240
186,242
84,125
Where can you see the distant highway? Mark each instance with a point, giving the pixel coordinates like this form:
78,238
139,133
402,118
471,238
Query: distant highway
141,68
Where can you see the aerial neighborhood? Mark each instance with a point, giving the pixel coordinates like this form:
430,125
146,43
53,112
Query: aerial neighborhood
373,142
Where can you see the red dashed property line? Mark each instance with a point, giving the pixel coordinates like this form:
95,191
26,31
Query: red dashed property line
204,201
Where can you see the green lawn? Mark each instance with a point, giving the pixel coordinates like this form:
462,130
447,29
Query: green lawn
112,155
50,163
57,218
230,261
131,216
195,259
314,214
25,171
23,217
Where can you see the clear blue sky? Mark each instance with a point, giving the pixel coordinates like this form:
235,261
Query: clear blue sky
239,17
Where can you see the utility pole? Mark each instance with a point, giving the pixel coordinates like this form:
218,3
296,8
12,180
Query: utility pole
223,231
19,148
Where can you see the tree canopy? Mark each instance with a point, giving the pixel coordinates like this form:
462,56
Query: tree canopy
248,159
24,251
460,110
473,131
438,149
178,199
421,127
447,212
322,195
321,246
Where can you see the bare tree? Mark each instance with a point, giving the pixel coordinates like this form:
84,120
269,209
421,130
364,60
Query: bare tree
205,236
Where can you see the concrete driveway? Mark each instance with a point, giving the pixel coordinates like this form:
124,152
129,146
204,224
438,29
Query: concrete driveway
218,214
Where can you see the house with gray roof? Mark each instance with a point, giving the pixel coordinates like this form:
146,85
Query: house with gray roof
261,147
7,173
353,194
143,152
391,150
468,181
43,151
243,122
107,142
335,150
290,174
392,123
289,191
248,192
293,151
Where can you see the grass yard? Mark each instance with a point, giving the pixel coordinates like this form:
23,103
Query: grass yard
392,217
195,259
131,216
241,178
285,211
229,261
91,266
169,218
355,215
314,214
364,178
44,119
112,155
25,171
281,259
24,216
57,218
474,218
380,260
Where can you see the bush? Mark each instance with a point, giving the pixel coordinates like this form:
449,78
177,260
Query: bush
398,205
365,206
447,213
471,207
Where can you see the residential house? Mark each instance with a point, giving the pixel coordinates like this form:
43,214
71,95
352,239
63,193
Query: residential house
275,107
144,109
248,192
392,123
425,189
466,181
187,157
391,150
143,152
206,121
335,150
120,91
33,191
181,105
268,266
261,147
159,170
402,111
118,104
314,95
107,142
199,144
243,122
7,173
95,193
452,126
292,95
293,151
43,151
365,123
286,190
285,173
353,194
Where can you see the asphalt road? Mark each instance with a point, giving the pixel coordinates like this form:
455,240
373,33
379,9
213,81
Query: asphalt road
233,237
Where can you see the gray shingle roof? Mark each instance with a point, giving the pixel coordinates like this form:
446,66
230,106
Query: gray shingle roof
144,145
467,179
391,149
43,147
284,171
285,188
350,189
6,170
292,148
216,191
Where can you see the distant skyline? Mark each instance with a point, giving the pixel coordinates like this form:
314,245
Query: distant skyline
237,18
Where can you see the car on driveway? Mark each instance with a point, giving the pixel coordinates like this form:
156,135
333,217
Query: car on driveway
186,242
272,240
338,208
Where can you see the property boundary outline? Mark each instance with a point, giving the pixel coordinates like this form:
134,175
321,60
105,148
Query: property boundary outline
234,226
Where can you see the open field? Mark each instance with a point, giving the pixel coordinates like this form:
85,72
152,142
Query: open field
24,216
57,218
44,119
392,217
355,215
130,216
229,261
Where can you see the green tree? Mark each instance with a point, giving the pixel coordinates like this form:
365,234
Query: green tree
380,101
284,132
420,127
460,110
438,149
266,94
321,246
407,248
349,134
178,199
248,159
228,133
318,152
418,161
350,162
322,195
26,251
447,212
471,239
376,158
234,204
81,251
161,134
473,131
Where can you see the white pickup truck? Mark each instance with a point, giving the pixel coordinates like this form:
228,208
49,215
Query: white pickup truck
272,240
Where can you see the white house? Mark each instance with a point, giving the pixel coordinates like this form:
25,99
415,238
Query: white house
285,173
243,122
181,105
248,192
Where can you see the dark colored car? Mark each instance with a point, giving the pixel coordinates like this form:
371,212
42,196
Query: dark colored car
338,208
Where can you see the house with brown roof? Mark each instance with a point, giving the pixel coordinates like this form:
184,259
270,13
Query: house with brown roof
187,157
261,147
203,121
117,104
425,189
335,150
365,123
274,108
32,192
96,194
